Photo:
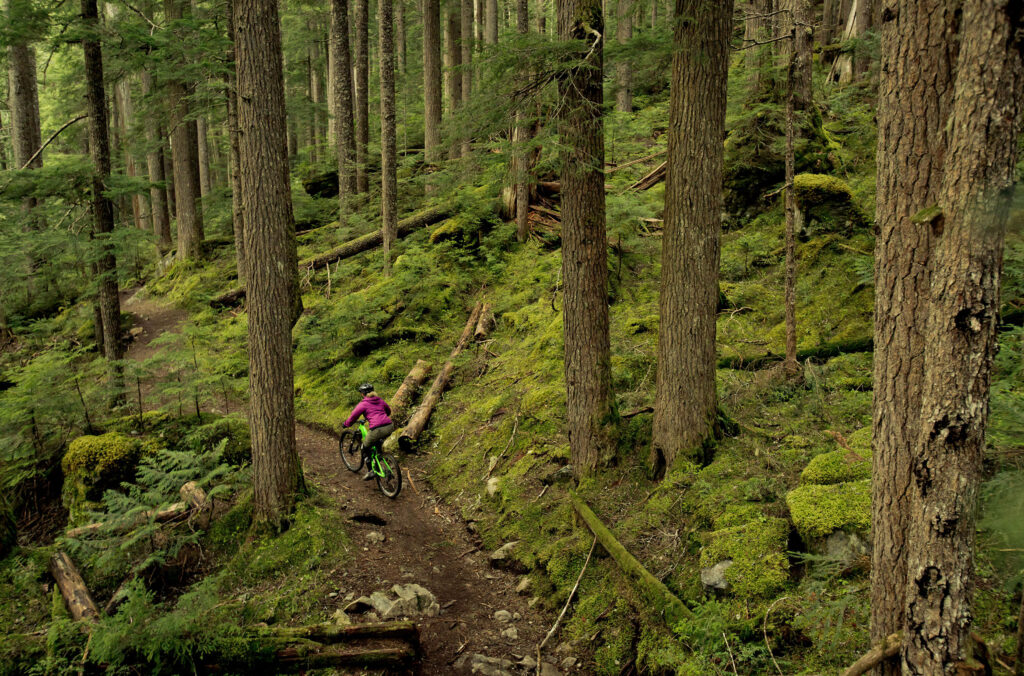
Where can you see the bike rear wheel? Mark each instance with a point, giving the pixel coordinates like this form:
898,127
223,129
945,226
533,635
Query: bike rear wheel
390,483
351,448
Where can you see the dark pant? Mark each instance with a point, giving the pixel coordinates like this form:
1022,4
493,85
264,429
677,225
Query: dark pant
377,435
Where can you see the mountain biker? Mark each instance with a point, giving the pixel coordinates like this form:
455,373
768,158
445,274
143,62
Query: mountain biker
376,411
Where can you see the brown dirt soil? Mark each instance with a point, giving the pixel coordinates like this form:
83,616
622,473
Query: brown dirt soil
426,542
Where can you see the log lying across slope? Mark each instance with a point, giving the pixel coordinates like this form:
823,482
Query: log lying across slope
826,351
72,588
402,400
358,245
405,437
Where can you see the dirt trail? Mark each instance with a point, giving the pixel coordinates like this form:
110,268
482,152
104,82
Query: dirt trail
426,542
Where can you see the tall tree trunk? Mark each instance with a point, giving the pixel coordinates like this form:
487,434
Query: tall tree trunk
103,210
184,147
203,146
342,77
432,81
623,70
26,137
316,93
388,150
757,29
790,365
237,210
863,22
491,32
795,21
467,63
918,58
480,13
685,405
155,167
362,108
521,131
272,289
453,61
963,317
590,405
172,207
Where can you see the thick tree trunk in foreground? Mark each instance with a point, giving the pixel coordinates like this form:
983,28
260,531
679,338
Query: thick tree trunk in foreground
432,81
270,244
590,405
915,93
237,213
341,76
184,147
963,318
362,92
155,166
72,588
388,150
686,403
102,208
623,70
453,78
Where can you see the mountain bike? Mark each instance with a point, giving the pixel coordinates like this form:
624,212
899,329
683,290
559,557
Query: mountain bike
383,465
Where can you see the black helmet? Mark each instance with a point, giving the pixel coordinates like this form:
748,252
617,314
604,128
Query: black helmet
365,388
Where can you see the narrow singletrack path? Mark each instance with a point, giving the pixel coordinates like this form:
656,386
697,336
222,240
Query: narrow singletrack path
425,542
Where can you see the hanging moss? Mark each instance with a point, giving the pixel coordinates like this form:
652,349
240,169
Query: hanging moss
758,553
819,510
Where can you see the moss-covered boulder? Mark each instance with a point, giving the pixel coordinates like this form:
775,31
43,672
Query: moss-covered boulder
818,511
757,550
827,204
94,464
836,467
233,432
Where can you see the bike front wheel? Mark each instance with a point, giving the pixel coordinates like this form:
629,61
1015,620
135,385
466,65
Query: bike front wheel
351,448
389,478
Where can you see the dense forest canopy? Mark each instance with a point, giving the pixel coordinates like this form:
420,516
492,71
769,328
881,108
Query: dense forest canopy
689,336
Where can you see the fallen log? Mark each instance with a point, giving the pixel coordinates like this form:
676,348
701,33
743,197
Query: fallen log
650,587
72,588
636,161
336,633
402,400
358,245
885,650
827,351
485,324
655,176
193,495
161,515
405,437
300,659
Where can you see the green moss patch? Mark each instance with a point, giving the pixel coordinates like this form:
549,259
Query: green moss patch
836,467
758,553
827,202
819,510
95,463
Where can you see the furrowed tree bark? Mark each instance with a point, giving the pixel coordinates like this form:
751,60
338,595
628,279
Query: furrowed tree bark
403,398
103,210
388,150
184,148
623,70
686,402
237,213
418,422
362,91
341,75
272,275
72,588
590,405
432,82
452,76
358,245
520,168
968,229
155,167
915,94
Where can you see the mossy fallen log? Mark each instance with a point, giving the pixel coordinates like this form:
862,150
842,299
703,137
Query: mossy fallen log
370,240
158,515
406,437
485,324
650,587
403,398
72,588
302,658
335,633
822,352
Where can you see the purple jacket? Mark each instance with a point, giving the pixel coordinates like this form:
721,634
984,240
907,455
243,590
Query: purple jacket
374,408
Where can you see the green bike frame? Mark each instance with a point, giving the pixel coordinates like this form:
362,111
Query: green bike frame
373,462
